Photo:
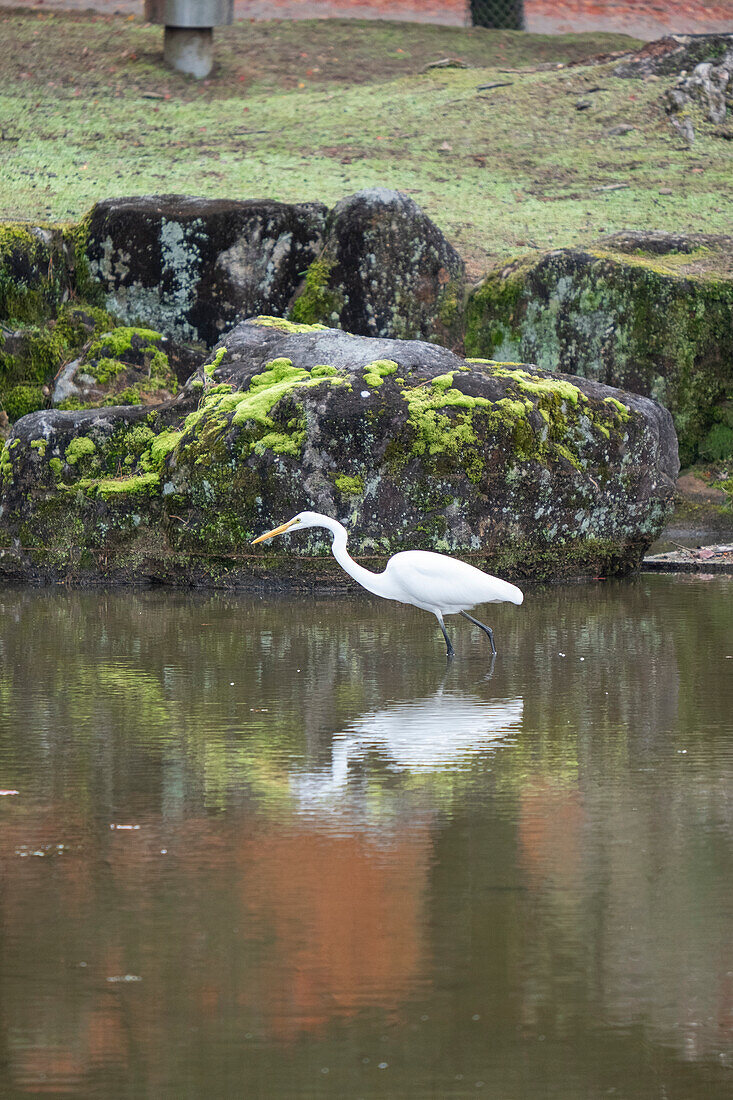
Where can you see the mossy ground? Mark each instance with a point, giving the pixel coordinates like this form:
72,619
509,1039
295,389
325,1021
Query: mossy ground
316,110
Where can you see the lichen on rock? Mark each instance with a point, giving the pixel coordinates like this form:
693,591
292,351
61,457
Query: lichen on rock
648,313
385,270
190,267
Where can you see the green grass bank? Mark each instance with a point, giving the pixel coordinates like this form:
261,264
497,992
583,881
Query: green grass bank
317,110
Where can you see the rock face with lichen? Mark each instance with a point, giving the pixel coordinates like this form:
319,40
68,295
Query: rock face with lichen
648,312
523,472
385,270
191,268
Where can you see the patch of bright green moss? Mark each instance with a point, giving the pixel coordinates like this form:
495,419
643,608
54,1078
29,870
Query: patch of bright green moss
215,363
443,381
20,400
112,352
376,372
287,326
79,448
254,405
439,434
163,444
72,322
109,488
282,443
351,486
6,465
317,302
56,466
622,410
120,340
537,386
105,369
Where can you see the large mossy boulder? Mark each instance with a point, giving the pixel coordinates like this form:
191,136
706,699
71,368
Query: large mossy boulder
385,270
191,268
528,474
648,312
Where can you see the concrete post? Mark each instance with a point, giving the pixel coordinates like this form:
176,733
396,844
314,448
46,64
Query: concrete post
189,50
188,41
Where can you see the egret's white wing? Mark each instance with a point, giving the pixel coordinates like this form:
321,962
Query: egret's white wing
435,581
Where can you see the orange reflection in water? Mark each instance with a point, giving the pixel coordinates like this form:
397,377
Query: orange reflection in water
328,924
550,825
346,915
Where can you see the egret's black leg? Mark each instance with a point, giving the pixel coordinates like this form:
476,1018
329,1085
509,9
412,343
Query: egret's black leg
450,650
486,629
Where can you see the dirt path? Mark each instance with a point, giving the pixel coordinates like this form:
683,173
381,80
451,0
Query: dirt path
642,18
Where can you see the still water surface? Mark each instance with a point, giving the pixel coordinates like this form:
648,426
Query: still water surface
279,848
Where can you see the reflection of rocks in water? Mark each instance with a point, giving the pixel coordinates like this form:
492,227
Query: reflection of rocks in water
633,900
611,660
313,855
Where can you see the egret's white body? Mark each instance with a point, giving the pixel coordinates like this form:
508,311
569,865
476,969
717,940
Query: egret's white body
433,582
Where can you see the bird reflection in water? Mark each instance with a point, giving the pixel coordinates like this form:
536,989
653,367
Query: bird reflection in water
443,732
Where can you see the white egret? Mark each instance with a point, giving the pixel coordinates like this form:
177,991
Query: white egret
434,582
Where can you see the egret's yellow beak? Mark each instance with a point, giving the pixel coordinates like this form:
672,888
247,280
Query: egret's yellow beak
277,531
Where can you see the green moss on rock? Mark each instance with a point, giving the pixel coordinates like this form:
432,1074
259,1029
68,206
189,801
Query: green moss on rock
376,372
489,459
287,326
78,449
656,325
349,486
317,302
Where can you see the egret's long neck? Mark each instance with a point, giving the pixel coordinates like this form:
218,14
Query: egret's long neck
373,582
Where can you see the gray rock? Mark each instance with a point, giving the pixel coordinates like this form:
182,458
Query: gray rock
708,85
660,242
385,270
65,386
673,54
648,312
528,474
191,268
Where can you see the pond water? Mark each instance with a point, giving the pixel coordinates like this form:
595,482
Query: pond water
275,847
